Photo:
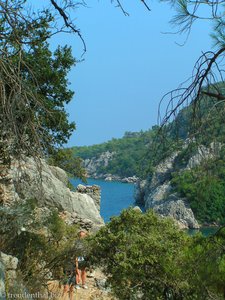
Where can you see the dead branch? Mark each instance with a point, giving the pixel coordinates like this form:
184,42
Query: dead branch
203,80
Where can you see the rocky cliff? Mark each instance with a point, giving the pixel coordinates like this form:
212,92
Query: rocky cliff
158,193
94,165
30,179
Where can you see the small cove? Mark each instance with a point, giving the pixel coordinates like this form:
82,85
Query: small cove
116,196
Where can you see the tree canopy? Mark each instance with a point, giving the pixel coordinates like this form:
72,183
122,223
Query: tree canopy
34,84
147,257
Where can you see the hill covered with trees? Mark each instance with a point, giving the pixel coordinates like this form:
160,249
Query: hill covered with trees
198,170
127,155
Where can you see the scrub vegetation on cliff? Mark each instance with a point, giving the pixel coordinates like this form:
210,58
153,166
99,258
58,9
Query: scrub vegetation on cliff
133,155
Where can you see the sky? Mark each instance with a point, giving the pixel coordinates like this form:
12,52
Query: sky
129,65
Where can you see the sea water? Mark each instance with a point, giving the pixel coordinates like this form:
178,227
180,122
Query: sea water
115,196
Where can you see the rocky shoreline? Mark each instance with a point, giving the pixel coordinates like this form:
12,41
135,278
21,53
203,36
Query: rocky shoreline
49,185
110,177
158,193
94,164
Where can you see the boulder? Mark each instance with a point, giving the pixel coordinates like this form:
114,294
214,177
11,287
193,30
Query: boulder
94,191
37,180
178,209
137,209
132,179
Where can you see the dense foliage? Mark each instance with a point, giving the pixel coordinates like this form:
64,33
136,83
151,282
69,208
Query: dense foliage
134,154
146,256
34,82
204,188
64,159
40,239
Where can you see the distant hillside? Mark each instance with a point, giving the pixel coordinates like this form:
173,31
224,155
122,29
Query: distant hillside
142,154
136,153
131,155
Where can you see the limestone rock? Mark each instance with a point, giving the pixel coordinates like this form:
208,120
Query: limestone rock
60,174
93,191
10,262
29,180
8,266
158,194
131,179
178,209
93,164
137,208
204,153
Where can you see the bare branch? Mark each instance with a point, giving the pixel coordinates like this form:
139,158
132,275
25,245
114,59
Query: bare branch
145,4
67,23
203,75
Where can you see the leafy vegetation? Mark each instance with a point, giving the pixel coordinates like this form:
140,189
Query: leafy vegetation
147,256
64,159
35,83
204,188
41,241
134,154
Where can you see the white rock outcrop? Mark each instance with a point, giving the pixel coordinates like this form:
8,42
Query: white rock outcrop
158,194
93,164
37,180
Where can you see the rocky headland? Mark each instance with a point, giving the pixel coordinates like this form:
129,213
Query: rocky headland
94,165
157,192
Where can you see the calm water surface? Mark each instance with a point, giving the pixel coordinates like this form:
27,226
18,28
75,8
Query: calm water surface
115,196
206,231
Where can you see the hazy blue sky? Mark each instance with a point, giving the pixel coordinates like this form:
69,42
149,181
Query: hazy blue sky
129,65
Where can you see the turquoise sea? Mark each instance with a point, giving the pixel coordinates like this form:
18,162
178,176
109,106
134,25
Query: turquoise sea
116,196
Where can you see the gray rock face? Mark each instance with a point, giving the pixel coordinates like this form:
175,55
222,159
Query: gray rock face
179,209
93,164
8,266
93,191
47,184
137,209
132,179
204,153
157,192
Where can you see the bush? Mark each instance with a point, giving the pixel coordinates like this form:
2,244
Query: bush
147,257
204,188
141,254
